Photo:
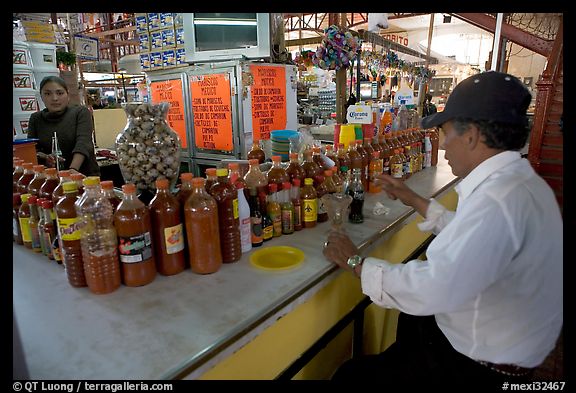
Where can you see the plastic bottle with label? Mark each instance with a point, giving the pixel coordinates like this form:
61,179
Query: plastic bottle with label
132,222
98,238
108,191
50,183
202,232
287,209
226,197
295,196
376,168
167,230
244,217
309,202
24,221
69,234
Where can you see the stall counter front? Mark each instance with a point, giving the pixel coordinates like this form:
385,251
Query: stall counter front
196,326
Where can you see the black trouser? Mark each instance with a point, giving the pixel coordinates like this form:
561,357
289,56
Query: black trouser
420,355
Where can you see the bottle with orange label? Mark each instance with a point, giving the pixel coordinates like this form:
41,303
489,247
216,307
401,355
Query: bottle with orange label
226,197
167,230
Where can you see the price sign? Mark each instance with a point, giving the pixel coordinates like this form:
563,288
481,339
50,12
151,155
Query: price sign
171,91
268,100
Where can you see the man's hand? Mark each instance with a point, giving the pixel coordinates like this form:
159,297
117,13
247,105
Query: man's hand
338,248
397,189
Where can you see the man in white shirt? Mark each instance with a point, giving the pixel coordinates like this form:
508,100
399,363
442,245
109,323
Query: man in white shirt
488,301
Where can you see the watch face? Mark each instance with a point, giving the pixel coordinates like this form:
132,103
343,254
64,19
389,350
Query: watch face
354,261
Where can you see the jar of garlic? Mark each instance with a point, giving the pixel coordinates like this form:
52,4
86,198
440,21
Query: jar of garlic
148,149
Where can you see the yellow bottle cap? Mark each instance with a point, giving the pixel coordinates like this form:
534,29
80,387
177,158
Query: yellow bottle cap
308,181
91,181
220,172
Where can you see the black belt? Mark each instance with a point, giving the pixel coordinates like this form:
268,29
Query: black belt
507,369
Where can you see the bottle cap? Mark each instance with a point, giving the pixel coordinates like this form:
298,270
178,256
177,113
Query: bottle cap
24,197
272,187
253,161
129,188
32,199
296,182
376,154
293,155
308,181
328,172
76,176
27,165
286,185
199,182
47,204
276,158
186,176
91,181
233,165
64,173
107,184
212,171
50,171
69,186
38,168
222,172
162,184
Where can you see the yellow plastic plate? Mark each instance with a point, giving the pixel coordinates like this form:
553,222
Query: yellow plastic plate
277,258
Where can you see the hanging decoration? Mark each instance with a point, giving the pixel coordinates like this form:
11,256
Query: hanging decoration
304,60
338,48
389,64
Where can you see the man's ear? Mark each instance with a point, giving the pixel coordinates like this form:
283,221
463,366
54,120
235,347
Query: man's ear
473,136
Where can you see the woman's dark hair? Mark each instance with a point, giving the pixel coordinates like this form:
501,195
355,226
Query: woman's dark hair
496,135
55,79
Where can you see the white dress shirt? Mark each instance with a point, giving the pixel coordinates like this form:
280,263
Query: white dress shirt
493,274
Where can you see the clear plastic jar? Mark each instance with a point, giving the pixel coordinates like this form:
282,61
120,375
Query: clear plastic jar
148,149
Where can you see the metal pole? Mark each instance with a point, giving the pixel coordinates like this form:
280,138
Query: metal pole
124,89
496,44
421,88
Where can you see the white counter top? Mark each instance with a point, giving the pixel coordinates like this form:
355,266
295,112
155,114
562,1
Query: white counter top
175,324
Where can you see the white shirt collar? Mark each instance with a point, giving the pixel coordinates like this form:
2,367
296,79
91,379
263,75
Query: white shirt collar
483,170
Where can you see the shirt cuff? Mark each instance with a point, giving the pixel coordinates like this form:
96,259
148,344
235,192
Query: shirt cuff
433,213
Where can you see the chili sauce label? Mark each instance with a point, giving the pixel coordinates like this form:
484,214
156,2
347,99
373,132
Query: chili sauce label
69,229
25,228
310,209
135,249
174,239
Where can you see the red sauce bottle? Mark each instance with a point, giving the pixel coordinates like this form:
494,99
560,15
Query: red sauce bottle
167,230
133,225
226,197
202,231
37,180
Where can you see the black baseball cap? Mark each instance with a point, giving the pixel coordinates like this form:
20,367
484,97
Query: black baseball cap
490,95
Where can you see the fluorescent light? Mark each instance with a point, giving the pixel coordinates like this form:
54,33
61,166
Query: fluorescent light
227,22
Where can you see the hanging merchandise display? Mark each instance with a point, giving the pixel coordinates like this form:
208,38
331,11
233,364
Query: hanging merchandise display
148,149
337,50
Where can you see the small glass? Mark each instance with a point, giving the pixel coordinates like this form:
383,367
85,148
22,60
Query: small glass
336,204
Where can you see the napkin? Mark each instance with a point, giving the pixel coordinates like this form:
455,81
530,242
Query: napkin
380,209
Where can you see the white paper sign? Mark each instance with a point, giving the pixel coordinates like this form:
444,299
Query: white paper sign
86,47
404,93
359,114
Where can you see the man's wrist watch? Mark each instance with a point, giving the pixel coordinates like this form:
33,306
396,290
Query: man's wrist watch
354,260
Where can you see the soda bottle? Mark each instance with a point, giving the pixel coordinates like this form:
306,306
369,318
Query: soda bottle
133,225
356,190
202,231
69,234
98,238
167,230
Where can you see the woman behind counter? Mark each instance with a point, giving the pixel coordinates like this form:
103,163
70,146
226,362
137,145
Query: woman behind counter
72,124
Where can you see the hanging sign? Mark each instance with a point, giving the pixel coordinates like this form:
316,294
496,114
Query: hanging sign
212,111
86,47
171,91
359,114
268,100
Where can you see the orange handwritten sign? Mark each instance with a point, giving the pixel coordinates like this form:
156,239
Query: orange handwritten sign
212,109
268,100
171,91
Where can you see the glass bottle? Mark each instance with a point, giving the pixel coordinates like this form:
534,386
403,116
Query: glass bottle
211,178
59,190
24,220
108,191
385,154
408,162
337,179
16,230
355,157
167,230
69,234
132,221
396,165
202,231
244,217
98,238
256,179
435,141
33,223
256,152
37,180
17,173
234,175
344,162
387,119
332,155
26,178
256,230
287,209
312,169
295,170
365,162
44,247
376,167
47,229
277,175
295,196
327,187
273,209
226,198
309,202
356,190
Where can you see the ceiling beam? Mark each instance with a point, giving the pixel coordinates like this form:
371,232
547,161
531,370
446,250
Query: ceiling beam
514,34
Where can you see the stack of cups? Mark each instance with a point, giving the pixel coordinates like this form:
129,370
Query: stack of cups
44,62
25,95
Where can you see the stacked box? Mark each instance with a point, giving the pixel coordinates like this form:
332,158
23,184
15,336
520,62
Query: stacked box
161,37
